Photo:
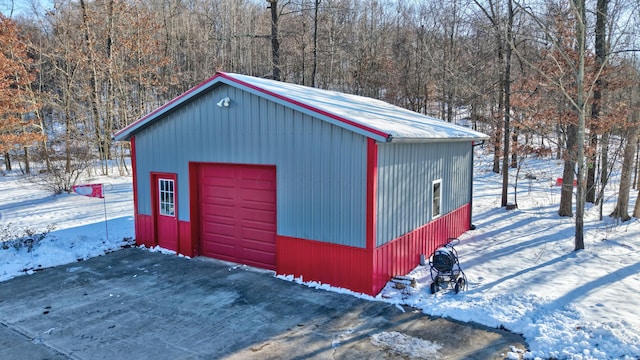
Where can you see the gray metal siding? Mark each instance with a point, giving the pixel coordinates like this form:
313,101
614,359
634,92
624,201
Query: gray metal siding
321,168
405,175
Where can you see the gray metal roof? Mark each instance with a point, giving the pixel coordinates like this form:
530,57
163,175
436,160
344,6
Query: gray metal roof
370,117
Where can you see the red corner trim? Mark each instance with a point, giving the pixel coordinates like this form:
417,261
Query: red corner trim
134,175
372,190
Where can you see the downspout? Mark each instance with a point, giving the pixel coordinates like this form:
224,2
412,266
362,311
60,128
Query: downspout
473,145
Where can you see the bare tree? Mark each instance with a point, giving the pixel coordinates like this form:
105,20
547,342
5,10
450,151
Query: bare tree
566,72
601,49
275,40
630,138
314,68
502,25
621,210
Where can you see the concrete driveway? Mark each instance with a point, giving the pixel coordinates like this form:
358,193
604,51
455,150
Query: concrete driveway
135,304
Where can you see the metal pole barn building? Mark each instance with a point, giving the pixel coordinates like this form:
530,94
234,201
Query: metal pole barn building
336,188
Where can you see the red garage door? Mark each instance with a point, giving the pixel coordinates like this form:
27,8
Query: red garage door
238,214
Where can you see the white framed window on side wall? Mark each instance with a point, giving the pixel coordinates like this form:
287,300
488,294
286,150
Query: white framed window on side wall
436,195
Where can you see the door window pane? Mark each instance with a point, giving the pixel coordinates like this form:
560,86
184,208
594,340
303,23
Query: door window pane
166,196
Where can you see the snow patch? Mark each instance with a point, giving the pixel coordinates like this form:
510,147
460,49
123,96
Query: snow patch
405,345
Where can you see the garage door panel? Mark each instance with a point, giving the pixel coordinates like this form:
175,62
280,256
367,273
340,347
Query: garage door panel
213,184
238,213
257,196
228,230
225,196
216,242
257,240
258,215
257,185
258,258
262,235
257,202
261,260
255,172
258,211
223,245
220,214
214,219
217,227
219,239
221,252
263,181
254,232
221,176
219,199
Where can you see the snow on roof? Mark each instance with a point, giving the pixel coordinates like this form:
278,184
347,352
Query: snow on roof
370,117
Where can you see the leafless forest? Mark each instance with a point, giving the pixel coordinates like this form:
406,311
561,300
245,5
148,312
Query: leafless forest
547,78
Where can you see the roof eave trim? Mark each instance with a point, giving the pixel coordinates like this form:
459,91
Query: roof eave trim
434,140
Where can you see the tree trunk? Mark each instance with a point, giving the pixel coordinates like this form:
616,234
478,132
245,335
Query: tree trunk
581,34
560,143
590,195
637,169
450,101
496,148
507,104
601,47
314,68
67,132
110,96
636,209
95,97
621,210
514,151
604,170
275,41
27,164
7,161
499,127
569,172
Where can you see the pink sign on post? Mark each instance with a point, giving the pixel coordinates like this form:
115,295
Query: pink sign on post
91,190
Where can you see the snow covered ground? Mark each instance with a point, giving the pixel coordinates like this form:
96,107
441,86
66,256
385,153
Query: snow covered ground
523,273
79,228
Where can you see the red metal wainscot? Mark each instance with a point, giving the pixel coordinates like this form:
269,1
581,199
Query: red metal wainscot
402,255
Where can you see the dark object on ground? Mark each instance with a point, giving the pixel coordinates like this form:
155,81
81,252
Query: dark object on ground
445,268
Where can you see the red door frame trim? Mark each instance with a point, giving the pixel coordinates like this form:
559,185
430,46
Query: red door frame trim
155,176
194,209
192,247
155,211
